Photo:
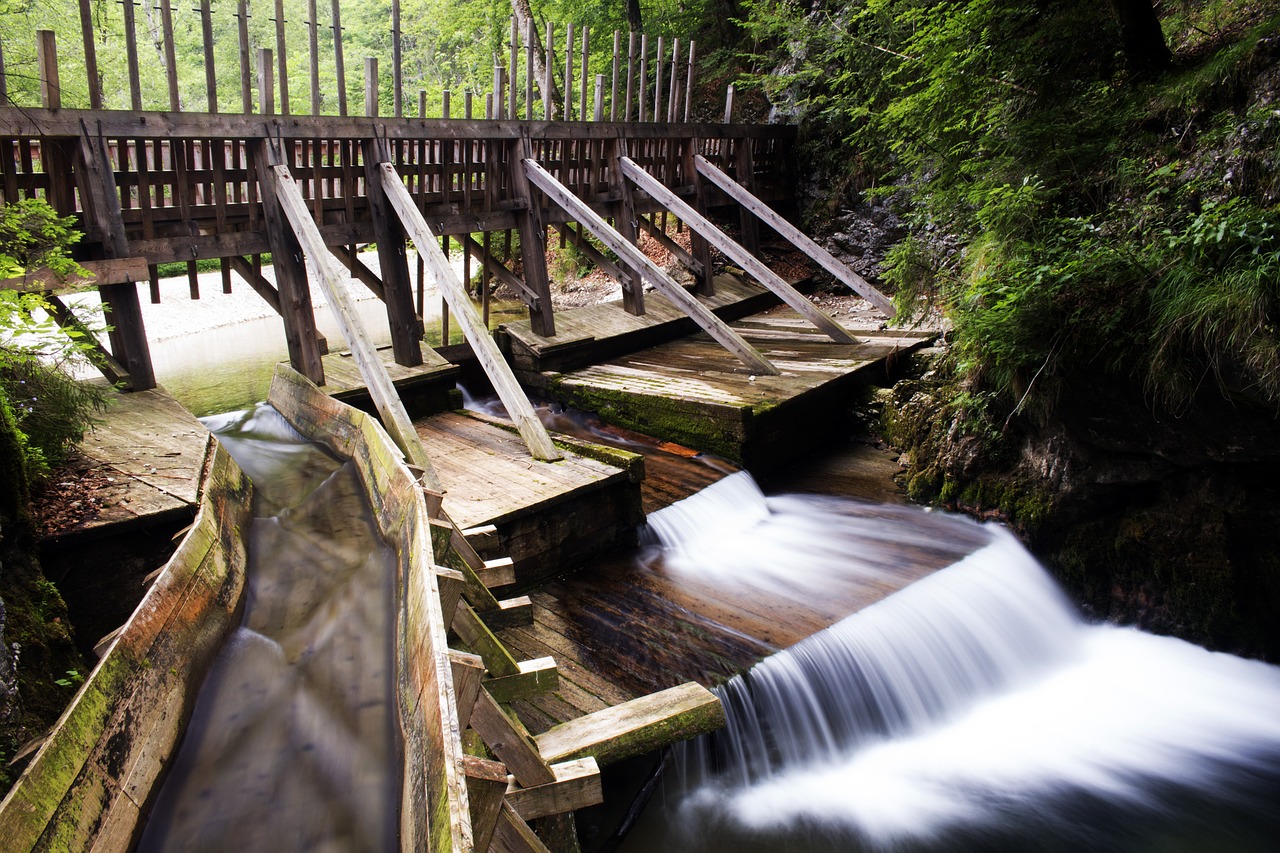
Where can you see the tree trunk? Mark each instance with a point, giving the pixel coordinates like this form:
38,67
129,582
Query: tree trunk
1143,39
634,20
524,17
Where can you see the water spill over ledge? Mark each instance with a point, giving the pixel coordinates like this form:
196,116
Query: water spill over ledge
293,742
974,710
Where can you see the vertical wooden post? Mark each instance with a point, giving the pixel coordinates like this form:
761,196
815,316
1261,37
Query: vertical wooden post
631,73
282,58
533,238
337,58
644,74
706,285
397,62
370,89
745,174
4,87
90,55
393,259
657,84
50,86
444,303
597,113
529,48
548,87
313,47
613,90
673,98
582,102
568,73
688,86
170,55
627,224
131,56
499,92
728,105
242,29
266,83
210,70
513,110
291,274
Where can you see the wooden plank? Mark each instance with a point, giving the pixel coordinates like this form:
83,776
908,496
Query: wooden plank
486,788
749,262
513,835
577,786
711,324
636,727
507,737
331,281
468,670
797,237
536,676
471,628
496,368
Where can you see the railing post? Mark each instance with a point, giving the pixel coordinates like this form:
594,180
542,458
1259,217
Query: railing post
627,224
533,239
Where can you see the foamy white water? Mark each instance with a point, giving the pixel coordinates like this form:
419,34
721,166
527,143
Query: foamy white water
974,710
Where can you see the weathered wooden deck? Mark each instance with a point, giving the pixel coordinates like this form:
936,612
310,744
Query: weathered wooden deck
693,391
549,516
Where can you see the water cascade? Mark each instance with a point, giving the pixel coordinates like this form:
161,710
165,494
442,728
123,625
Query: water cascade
975,710
293,742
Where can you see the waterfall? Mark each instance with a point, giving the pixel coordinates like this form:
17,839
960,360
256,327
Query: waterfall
974,710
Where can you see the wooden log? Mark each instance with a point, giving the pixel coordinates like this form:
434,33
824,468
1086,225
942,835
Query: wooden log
510,741
535,677
797,237
513,835
242,32
468,670
582,102
397,62
568,74
688,88
710,323
170,54
338,64
788,294
643,83
673,97
131,56
613,89
332,282
266,83
474,329
486,787
577,786
210,67
636,727
282,61
313,53
371,86
631,73
657,81
90,57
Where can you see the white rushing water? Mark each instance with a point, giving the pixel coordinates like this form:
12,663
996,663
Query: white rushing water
974,710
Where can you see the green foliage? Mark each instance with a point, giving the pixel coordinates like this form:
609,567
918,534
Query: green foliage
32,235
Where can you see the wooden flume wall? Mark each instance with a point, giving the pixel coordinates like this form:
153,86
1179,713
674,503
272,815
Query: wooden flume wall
173,186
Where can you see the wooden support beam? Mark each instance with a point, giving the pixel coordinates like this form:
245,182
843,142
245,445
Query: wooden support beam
500,571
625,218
468,670
513,835
510,741
106,363
452,549
701,247
593,254
402,320
486,788
710,323
476,634
106,271
451,585
761,273
533,238
797,237
577,786
495,268
536,676
636,727
291,276
333,282
477,334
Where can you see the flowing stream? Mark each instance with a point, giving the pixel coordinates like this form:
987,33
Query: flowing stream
293,743
974,710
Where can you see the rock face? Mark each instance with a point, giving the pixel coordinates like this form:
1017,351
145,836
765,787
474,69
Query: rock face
1166,521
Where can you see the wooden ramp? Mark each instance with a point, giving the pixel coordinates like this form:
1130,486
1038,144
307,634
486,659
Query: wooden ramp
547,517
688,391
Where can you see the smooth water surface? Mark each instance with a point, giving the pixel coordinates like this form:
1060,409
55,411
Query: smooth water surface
293,743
